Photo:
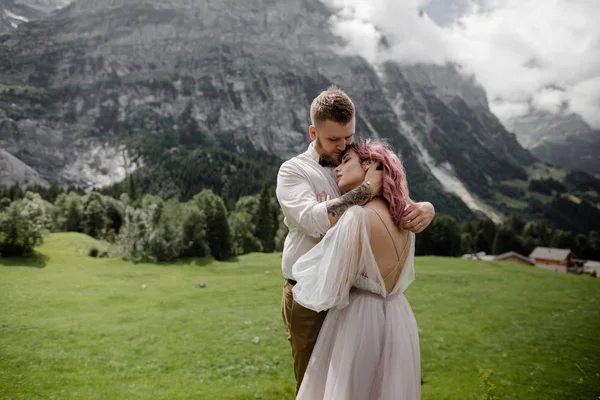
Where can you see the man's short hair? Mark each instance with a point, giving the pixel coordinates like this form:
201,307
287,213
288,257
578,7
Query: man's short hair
332,105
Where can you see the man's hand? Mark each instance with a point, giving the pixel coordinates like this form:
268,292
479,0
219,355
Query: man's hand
419,217
322,197
375,178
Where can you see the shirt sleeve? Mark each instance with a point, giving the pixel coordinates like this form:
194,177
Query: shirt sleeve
327,272
299,202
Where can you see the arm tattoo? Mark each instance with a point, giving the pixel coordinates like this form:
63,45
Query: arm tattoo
355,197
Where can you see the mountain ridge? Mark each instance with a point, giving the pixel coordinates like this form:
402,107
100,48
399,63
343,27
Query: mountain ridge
119,85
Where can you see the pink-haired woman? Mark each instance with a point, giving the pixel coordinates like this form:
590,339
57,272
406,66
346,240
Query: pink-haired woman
368,347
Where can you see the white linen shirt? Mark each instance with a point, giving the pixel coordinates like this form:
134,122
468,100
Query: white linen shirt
299,181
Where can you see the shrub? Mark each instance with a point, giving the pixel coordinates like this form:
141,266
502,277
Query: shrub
23,225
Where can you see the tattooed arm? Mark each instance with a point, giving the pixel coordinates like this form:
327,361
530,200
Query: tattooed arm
371,187
356,197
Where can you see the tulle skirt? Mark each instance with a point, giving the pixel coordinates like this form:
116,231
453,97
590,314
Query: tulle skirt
368,350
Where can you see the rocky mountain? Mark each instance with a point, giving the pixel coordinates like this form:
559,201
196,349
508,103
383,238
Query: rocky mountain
188,93
446,118
14,171
15,12
565,141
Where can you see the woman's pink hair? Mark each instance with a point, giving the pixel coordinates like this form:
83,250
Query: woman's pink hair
395,186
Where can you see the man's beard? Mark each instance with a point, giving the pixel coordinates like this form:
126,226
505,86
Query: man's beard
325,160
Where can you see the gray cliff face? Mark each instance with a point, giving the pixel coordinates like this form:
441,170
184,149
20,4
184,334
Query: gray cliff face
72,77
447,83
14,171
566,141
62,156
453,130
15,12
240,67
74,82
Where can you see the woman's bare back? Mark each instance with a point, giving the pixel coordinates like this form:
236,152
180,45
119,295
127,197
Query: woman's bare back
388,242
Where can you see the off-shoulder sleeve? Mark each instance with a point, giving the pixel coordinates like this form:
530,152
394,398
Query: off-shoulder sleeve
327,272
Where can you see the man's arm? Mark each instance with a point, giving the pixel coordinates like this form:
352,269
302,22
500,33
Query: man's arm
419,217
299,202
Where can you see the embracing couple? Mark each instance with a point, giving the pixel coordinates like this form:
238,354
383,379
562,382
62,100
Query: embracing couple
347,260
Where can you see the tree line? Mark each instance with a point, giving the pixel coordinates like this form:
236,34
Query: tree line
147,228
447,237
150,228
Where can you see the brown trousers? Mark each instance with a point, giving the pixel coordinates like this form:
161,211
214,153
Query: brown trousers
303,326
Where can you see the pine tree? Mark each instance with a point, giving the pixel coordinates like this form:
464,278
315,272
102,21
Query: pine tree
594,245
265,225
217,225
482,243
506,241
132,190
441,238
95,220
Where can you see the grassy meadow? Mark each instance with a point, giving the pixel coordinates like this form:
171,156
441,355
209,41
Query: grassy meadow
76,327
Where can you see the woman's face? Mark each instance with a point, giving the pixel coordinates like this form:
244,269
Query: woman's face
350,173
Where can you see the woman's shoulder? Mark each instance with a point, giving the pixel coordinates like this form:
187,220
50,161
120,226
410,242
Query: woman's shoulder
377,210
379,218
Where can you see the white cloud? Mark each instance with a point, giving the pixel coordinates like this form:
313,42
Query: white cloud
359,35
551,100
412,38
533,54
506,109
585,100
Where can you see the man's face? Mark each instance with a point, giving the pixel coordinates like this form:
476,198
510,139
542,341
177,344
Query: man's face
331,140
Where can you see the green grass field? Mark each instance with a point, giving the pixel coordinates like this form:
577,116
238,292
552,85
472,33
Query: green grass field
75,327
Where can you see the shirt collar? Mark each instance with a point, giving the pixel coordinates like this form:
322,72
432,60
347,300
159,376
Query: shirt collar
312,152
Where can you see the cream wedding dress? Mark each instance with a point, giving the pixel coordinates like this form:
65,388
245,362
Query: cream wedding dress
368,347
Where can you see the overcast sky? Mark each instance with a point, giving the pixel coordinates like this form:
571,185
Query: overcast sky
528,54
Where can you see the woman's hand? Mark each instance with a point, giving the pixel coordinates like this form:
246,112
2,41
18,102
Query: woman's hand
419,217
375,178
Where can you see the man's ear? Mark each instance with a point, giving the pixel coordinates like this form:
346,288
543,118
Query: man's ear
312,131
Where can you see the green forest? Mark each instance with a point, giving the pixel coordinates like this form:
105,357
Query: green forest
149,227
